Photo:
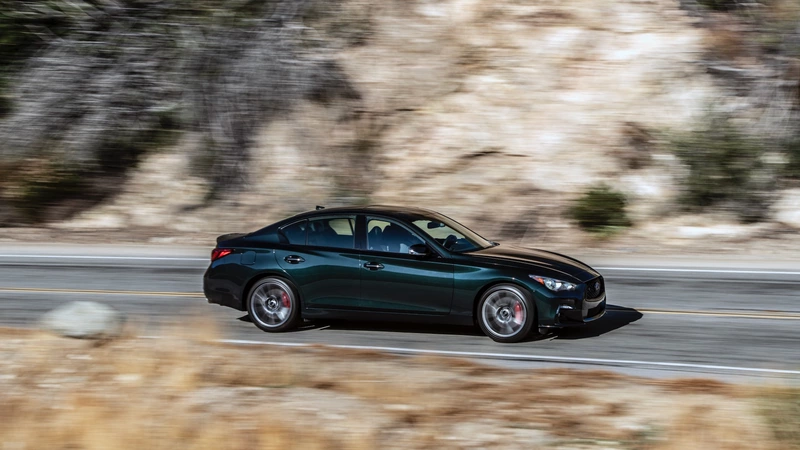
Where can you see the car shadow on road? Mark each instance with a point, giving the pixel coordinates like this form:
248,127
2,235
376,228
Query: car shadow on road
397,327
616,317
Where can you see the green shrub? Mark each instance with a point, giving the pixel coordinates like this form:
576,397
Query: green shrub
600,209
792,153
726,170
42,186
719,5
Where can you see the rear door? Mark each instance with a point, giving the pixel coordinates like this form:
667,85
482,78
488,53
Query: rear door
323,261
392,280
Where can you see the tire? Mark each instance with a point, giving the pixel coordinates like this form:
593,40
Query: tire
506,313
273,305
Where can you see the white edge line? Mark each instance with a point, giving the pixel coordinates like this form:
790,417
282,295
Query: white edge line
507,356
660,269
138,258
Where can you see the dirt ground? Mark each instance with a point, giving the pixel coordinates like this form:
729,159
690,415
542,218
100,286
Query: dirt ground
187,391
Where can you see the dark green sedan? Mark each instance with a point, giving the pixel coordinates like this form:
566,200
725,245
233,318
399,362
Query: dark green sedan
398,264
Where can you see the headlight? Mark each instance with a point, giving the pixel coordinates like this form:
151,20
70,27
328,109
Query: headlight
553,284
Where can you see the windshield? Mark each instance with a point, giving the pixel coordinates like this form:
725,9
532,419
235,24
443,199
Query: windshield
450,234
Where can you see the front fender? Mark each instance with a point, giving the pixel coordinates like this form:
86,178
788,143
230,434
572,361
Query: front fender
471,282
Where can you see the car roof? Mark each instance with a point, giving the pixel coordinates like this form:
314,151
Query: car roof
398,212
386,210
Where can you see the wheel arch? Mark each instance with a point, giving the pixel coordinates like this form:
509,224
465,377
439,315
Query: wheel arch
269,274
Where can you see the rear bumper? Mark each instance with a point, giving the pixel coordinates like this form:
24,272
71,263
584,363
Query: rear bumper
221,293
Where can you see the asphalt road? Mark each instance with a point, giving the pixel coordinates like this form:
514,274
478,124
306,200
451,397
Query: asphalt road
730,319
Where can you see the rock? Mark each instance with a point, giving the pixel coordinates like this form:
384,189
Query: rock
721,230
94,220
787,209
84,320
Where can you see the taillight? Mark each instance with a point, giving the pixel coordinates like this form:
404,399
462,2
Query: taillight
218,253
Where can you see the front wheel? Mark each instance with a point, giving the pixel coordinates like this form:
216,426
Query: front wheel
506,313
273,305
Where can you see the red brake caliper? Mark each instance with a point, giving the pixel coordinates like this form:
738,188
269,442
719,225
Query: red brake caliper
517,313
285,299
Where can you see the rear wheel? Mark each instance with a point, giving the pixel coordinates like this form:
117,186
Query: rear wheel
273,305
505,313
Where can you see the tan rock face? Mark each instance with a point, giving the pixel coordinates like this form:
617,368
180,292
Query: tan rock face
482,109
155,195
492,109
541,91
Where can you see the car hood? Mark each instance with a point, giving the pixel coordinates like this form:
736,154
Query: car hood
533,258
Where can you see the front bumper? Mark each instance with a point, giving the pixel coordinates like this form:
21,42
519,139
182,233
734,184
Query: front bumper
590,310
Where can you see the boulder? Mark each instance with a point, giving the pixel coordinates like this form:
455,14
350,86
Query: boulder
84,320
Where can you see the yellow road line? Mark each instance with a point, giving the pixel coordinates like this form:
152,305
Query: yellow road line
753,315
103,292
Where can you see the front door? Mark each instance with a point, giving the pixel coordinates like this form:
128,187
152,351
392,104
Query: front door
323,261
392,280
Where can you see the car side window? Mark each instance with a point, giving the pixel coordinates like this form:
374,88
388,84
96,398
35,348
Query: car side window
385,236
295,233
336,232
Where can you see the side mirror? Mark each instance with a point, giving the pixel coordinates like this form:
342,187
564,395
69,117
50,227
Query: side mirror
419,250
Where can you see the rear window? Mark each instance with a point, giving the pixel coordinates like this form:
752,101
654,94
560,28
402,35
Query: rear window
295,233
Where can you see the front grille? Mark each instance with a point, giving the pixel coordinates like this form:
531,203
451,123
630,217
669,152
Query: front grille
595,288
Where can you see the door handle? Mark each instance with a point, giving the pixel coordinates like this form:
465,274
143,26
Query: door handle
294,259
373,266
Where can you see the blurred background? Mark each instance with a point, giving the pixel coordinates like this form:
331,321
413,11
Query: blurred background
593,127
574,123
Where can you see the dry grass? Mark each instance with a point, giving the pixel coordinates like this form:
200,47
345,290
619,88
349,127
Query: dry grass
188,392
781,407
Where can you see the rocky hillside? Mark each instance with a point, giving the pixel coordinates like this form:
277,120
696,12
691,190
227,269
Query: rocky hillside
499,113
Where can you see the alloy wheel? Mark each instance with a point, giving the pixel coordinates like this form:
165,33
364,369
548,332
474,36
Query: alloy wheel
504,312
271,303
